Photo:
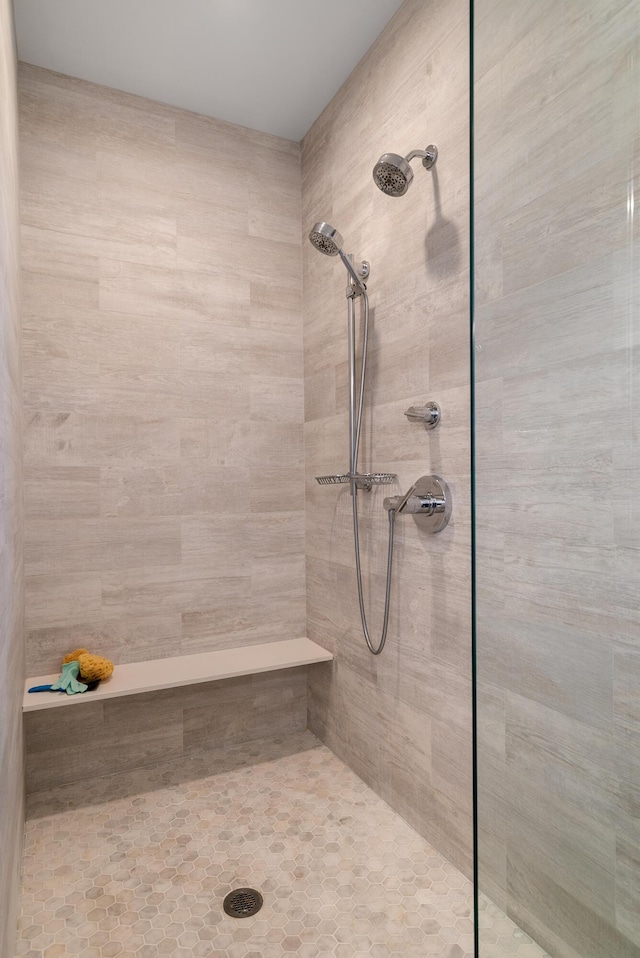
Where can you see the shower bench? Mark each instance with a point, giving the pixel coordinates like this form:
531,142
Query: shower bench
155,674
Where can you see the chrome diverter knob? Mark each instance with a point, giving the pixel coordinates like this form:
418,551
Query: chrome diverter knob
429,414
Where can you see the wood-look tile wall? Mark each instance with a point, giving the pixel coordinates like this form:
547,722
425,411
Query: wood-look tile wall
163,388
403,720
558,470
160,726
11,517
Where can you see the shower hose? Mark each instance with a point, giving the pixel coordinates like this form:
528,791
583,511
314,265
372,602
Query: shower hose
355,449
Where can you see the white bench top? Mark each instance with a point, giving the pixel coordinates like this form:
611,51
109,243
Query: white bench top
157,674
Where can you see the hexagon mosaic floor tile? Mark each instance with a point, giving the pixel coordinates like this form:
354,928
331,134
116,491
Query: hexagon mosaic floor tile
500,937
136,865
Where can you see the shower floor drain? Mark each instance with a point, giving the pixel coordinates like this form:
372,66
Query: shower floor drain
242,903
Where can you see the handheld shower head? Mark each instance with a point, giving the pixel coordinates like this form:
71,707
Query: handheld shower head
329,241
326,239
392,173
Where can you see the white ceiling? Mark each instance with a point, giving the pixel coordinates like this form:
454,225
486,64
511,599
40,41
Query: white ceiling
272,65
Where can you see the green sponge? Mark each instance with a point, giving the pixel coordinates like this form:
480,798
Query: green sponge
68,680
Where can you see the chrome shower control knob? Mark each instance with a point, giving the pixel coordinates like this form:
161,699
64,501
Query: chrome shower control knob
429,414
428,501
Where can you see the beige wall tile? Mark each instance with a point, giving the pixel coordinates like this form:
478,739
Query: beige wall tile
62,492
277,399
130,639
217,544
130,737
555,328
274,195
215,627
76,334
543,905
140,228
275,306
64,599
222,443
282,443
158,726
276,534
277,616
277,488
56,268
60,385
206,394
11,511
171,588
93,545
247,709
205,488
162,325
627,888
140,490
78,439
394,718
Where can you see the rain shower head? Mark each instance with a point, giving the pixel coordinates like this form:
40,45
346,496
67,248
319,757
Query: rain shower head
326,239
392,173
329,241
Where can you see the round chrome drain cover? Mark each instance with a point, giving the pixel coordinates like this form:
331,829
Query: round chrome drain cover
242,902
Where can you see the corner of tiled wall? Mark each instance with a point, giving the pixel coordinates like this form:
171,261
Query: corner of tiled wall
11,570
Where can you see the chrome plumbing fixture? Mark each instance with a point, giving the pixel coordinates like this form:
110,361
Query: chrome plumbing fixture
363,480
429,414
393,174
428,501
328,240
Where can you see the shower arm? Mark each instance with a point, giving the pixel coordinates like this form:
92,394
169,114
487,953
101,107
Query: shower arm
428,156
414,153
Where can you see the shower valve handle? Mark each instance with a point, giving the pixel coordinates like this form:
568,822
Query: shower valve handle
412,505
401,502
428,501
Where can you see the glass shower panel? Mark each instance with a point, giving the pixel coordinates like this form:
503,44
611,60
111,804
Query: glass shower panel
557,477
